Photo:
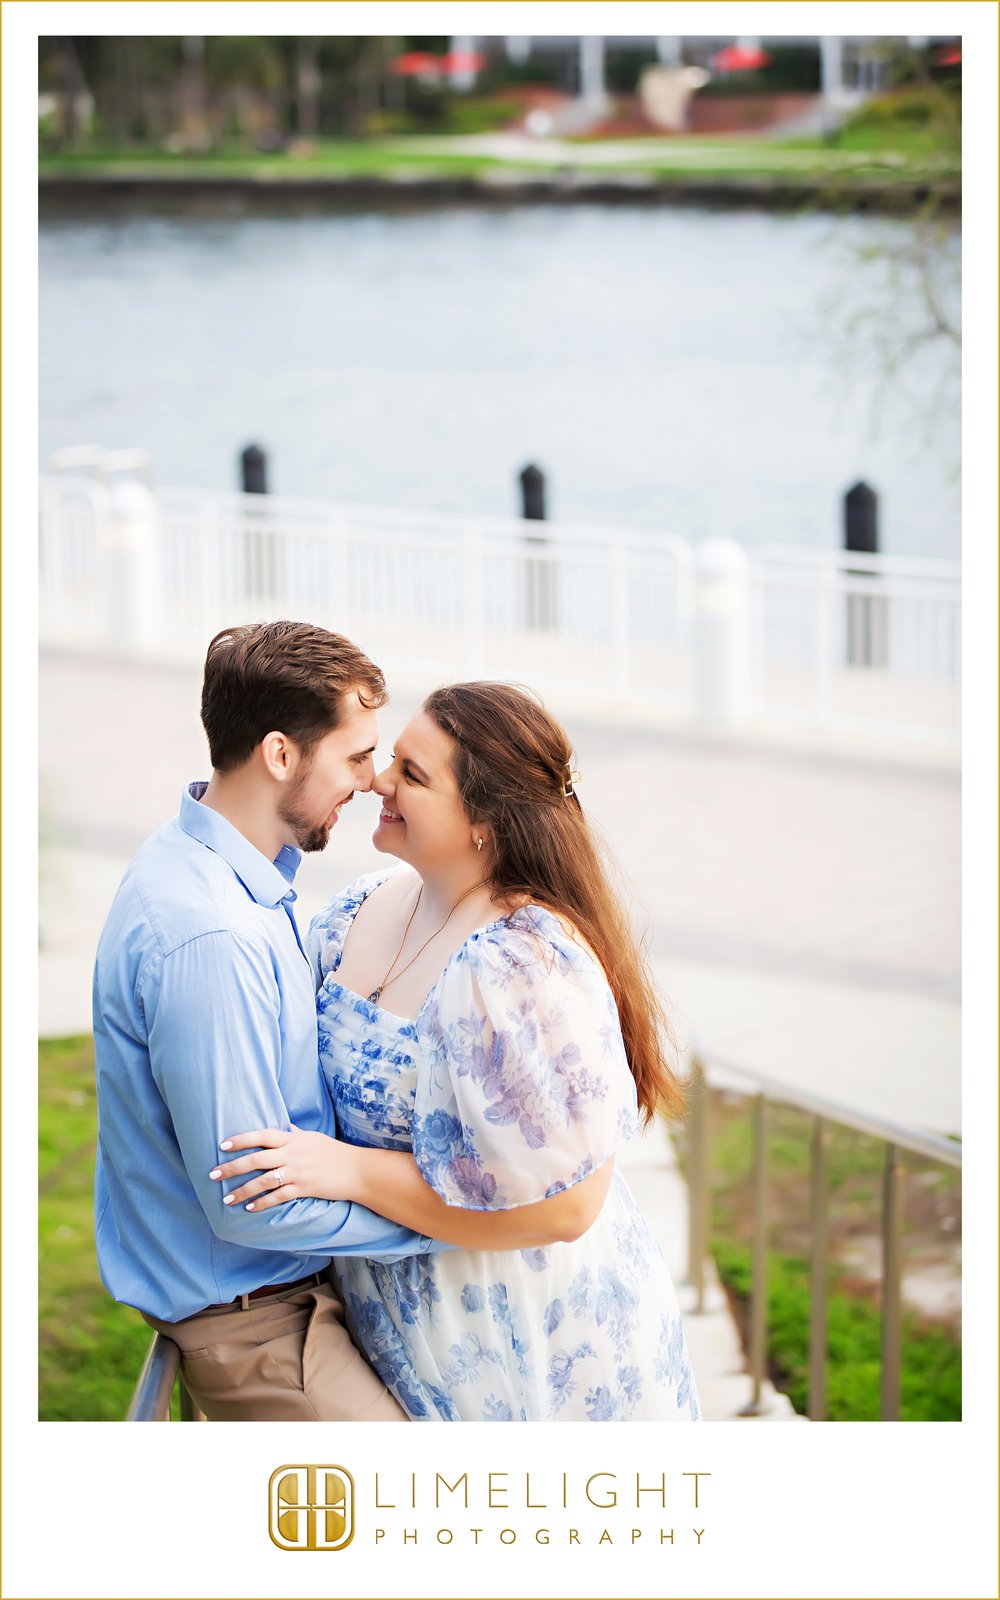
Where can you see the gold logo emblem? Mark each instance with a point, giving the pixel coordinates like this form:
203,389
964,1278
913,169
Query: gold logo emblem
311,1508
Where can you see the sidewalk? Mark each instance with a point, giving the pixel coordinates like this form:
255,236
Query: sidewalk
803,905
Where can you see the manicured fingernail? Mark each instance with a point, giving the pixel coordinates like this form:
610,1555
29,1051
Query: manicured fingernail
227,1144
249,1205
216,1173
228,1200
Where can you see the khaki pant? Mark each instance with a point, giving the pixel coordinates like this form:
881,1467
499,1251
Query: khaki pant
285,1357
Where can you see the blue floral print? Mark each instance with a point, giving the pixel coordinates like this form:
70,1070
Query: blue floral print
511,1085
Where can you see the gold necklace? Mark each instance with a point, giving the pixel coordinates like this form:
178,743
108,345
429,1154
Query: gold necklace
376,992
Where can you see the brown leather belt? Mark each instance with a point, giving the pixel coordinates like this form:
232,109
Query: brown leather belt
312,1281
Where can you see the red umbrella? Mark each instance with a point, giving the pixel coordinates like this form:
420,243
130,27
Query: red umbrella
414,64
463,61
738,58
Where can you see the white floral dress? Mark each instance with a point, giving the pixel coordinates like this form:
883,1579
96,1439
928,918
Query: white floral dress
511,1085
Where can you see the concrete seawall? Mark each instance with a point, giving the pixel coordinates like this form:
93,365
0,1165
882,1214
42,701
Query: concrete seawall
504,187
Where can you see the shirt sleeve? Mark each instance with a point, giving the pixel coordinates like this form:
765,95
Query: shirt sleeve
216,1066
525,1087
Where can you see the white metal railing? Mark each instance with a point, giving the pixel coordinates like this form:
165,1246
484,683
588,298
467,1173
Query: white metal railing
597,618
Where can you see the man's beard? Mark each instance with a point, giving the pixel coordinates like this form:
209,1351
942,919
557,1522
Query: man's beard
309,836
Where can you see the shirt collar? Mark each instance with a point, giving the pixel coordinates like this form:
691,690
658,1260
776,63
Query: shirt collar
269,882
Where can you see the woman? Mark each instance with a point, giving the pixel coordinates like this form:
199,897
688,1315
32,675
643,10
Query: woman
489,1012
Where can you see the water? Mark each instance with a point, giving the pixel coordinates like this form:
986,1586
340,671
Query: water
703,373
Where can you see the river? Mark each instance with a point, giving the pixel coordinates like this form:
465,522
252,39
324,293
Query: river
700,372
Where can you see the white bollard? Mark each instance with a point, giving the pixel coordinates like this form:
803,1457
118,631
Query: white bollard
134,580
723,623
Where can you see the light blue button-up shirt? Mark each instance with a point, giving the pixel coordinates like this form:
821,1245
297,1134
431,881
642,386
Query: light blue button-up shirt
204,1026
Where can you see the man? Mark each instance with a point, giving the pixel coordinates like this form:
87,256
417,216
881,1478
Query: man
205,1024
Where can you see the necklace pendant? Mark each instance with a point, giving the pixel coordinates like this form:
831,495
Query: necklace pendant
373,997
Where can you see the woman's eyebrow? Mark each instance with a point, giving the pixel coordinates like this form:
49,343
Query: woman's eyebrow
414,767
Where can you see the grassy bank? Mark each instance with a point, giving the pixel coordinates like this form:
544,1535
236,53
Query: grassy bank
90,1348
670,160
931,1346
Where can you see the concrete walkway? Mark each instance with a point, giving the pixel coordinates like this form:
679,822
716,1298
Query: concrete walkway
803,905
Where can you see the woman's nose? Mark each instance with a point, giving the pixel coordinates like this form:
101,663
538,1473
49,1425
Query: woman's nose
381,783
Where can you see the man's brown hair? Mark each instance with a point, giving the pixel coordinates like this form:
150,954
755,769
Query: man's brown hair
287,677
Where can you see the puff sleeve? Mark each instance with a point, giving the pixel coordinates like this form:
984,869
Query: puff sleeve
324,942
524,1087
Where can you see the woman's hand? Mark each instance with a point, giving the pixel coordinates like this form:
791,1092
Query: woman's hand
294,1164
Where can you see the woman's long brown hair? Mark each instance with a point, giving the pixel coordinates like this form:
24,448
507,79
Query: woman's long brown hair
512,761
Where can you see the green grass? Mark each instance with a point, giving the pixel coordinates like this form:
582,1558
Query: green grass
90,1348
346,159
674,160
931,1387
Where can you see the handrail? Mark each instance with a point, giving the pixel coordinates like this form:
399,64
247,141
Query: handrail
896,1138
932,1145
151,1399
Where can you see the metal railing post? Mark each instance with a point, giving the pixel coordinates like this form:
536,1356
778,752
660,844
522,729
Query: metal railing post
151,1400
758,1287
818,1273
892,1229
699,1190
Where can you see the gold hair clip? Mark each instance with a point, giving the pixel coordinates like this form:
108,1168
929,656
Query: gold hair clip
570,781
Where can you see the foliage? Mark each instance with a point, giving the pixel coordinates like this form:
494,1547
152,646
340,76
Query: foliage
90,1348
931,1388
918,107
455,114
922,120
546,72
245,62
931,1384
793,69
623,68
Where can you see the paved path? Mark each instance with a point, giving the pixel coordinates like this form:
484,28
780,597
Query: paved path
803,906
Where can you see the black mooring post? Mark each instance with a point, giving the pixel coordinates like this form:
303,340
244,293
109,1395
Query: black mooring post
262,556
532,480
867,633
253,470
540,577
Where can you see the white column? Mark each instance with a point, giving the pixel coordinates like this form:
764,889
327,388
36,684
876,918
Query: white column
592,69
465,80
723,632
133,574
668,51
831,59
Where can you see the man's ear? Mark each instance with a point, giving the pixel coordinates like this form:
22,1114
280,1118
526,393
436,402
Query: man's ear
279,755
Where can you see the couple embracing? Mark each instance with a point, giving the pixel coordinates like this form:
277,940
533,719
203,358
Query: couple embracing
367,1172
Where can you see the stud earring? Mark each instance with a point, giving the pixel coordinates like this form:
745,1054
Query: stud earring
479,844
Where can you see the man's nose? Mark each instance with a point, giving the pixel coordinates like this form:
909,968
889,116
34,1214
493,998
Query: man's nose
365,778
